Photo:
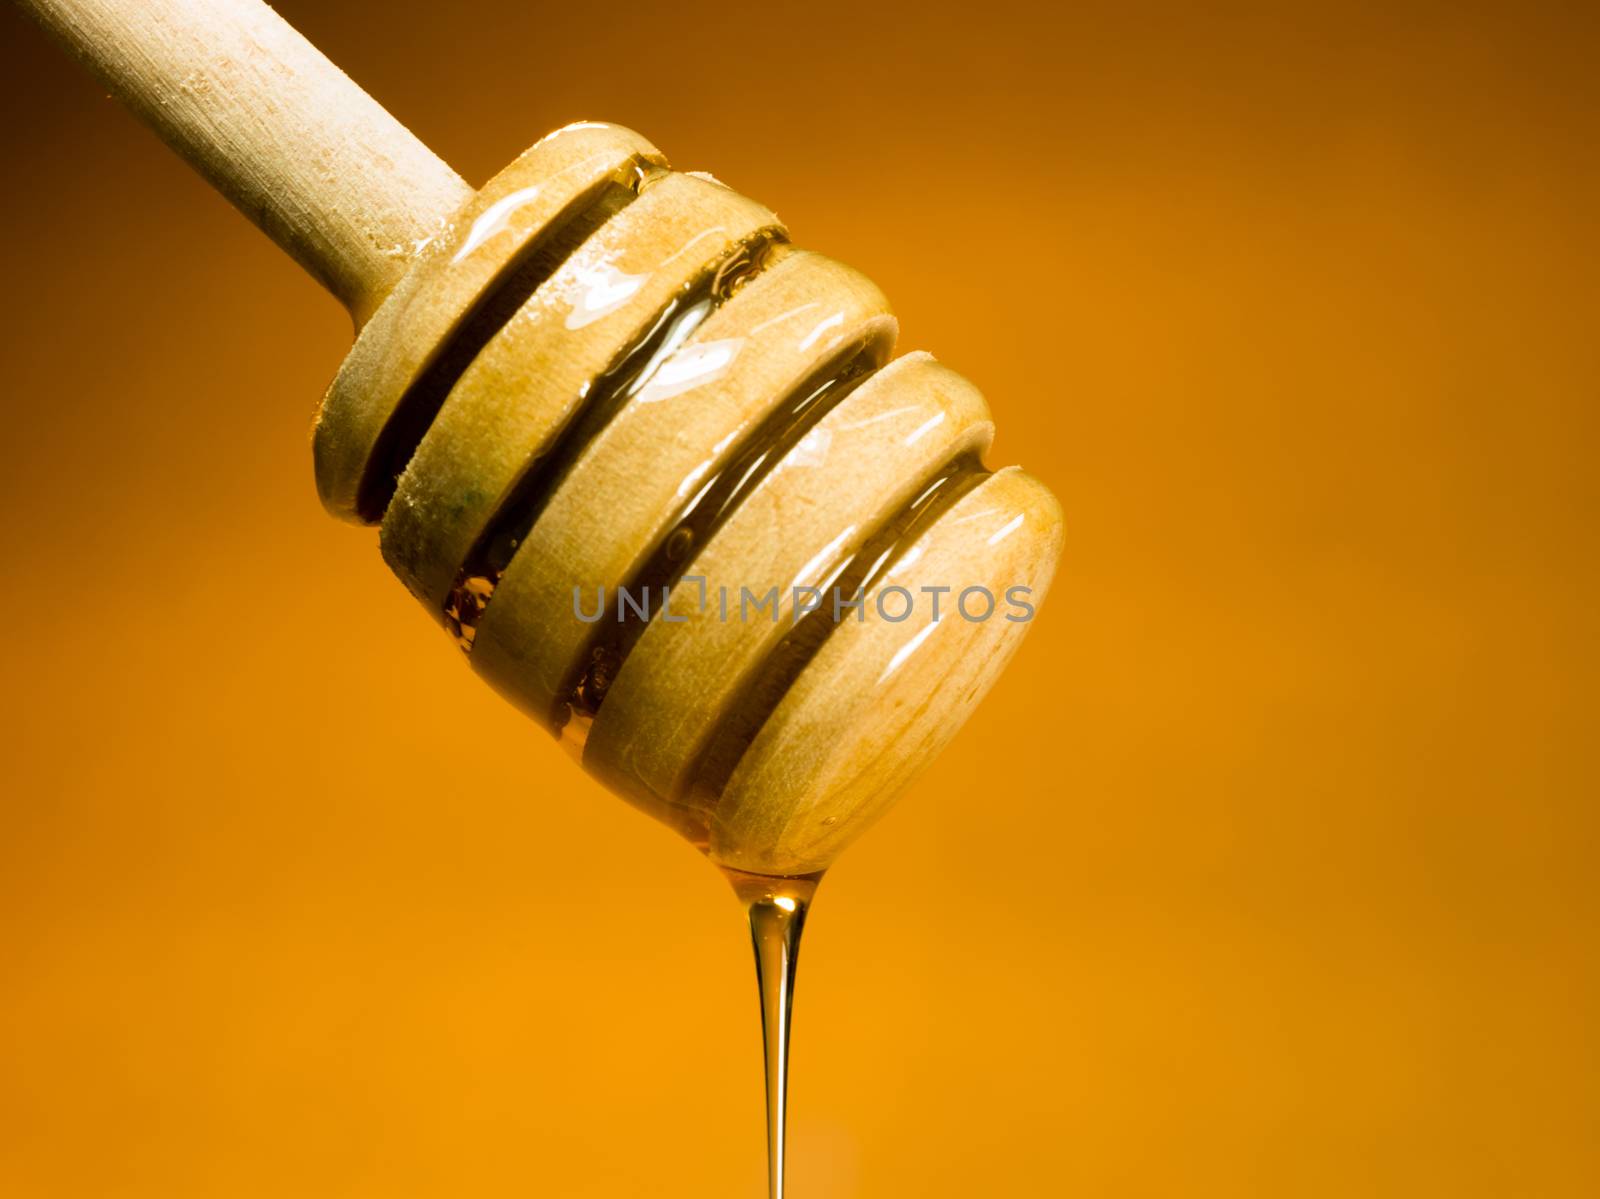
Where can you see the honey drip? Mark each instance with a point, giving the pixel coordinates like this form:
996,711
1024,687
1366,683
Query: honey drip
777,909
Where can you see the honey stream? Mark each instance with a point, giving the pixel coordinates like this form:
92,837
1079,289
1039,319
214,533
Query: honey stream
777,909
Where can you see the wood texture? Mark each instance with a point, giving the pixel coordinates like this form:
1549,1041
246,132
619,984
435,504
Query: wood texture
279,130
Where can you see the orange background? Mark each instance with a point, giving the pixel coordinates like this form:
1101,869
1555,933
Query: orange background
1266,870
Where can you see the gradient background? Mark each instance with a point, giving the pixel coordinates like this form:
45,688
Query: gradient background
1268,868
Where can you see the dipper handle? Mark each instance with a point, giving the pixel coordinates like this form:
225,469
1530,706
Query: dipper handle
285,135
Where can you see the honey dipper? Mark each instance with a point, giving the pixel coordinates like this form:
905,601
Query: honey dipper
629,445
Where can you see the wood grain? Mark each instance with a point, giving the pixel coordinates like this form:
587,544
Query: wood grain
348,191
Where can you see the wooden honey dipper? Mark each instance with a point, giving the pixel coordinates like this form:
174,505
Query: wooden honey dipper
597,379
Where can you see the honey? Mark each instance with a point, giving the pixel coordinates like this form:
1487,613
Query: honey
777,908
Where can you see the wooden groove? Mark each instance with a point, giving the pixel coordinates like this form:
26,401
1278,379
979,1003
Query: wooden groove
420,404
783,663
476,251
883,694
705,513
786,538
531,381
629,371
678,444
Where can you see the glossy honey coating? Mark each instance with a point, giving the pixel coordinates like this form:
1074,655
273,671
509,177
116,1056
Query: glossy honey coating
814,510
604,376
882,698
554,180
738,367
528,383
